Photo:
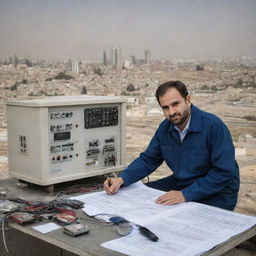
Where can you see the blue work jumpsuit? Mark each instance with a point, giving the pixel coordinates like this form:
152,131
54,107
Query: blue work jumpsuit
203,164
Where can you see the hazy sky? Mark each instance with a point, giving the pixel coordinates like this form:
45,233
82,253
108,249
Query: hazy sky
169,28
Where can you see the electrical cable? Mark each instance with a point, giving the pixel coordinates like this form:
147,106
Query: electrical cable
80,189
59,209
3,234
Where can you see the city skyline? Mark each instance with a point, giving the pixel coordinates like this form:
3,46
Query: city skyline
82,29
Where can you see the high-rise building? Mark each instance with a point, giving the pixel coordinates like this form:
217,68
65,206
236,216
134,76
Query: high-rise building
115,58
133,60
112,58
118,58
147,57
11,60
16,61
75,66
105,60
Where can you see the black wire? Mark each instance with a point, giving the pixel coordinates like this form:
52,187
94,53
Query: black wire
3,233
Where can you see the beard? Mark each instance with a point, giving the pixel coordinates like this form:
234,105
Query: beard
179,118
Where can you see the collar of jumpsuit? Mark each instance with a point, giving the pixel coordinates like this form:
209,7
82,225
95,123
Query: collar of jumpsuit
182,133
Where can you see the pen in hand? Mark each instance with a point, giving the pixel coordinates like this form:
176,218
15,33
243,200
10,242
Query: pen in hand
112,185
109,181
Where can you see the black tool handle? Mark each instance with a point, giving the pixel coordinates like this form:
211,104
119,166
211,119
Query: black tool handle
147,233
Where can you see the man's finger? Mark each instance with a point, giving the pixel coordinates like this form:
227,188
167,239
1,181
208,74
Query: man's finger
160,198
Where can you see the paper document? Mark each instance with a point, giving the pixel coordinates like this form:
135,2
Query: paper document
135,203
186,229
45,228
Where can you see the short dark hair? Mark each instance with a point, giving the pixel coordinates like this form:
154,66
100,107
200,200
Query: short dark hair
178,85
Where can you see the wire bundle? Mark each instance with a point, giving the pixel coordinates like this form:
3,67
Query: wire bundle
59,209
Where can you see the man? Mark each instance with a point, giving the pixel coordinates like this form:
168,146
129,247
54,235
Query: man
198,148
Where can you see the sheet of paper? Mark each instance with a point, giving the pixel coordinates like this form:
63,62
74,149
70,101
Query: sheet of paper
186,229
135,203
45,228
171,244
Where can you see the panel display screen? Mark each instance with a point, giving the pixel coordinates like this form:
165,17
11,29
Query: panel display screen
62,136
100,117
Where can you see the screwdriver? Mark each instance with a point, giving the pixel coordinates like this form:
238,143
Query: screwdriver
147,233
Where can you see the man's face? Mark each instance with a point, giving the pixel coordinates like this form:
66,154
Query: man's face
175,107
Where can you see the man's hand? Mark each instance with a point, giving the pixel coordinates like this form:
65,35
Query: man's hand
171,197
112,185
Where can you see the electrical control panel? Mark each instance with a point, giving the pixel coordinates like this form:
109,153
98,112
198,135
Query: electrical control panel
64,138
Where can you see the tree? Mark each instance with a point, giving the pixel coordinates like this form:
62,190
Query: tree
239,83
205,87
98,71
63,75
130,88
250,118
14,87
84,90
199,67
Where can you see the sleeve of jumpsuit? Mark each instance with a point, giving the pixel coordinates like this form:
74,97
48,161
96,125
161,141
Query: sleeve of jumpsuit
145,164
223,166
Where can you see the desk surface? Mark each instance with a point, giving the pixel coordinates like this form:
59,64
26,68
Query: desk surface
89,244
